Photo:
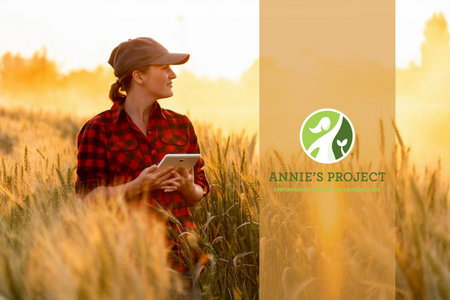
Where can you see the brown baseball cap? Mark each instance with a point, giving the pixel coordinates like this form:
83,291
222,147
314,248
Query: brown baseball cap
139,52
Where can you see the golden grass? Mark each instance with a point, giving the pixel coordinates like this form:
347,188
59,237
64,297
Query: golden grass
356,245
54,246
348,246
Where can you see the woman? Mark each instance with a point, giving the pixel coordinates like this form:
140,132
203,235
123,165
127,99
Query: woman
119,149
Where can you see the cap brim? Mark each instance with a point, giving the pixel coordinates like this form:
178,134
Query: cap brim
171,59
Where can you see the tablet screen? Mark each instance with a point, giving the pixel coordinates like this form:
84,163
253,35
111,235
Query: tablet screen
179,160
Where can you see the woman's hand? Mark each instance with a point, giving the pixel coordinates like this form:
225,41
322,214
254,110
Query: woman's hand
191,192
185,180
153,179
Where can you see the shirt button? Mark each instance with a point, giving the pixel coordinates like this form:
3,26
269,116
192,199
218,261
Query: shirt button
149,132
153,152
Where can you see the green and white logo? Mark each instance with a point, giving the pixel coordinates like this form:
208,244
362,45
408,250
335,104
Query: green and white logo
327,136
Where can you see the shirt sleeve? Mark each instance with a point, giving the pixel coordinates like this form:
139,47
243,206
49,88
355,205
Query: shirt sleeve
199,173
91,159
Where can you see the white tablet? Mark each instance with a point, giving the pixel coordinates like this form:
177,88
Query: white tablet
179,160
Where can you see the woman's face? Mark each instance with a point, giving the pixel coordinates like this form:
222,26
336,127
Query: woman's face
158,81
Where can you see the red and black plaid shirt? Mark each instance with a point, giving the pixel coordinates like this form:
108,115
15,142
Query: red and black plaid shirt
112,150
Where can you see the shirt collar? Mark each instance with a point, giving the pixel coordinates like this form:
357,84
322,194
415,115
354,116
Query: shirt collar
117,109
156,111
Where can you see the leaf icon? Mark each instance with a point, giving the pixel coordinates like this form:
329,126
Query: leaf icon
343,143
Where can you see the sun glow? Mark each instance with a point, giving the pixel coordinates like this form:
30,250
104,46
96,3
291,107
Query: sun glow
59,52
222,37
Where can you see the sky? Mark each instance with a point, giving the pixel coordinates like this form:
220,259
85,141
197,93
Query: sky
221,36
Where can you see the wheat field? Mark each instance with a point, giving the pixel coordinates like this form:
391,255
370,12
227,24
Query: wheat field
53,246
